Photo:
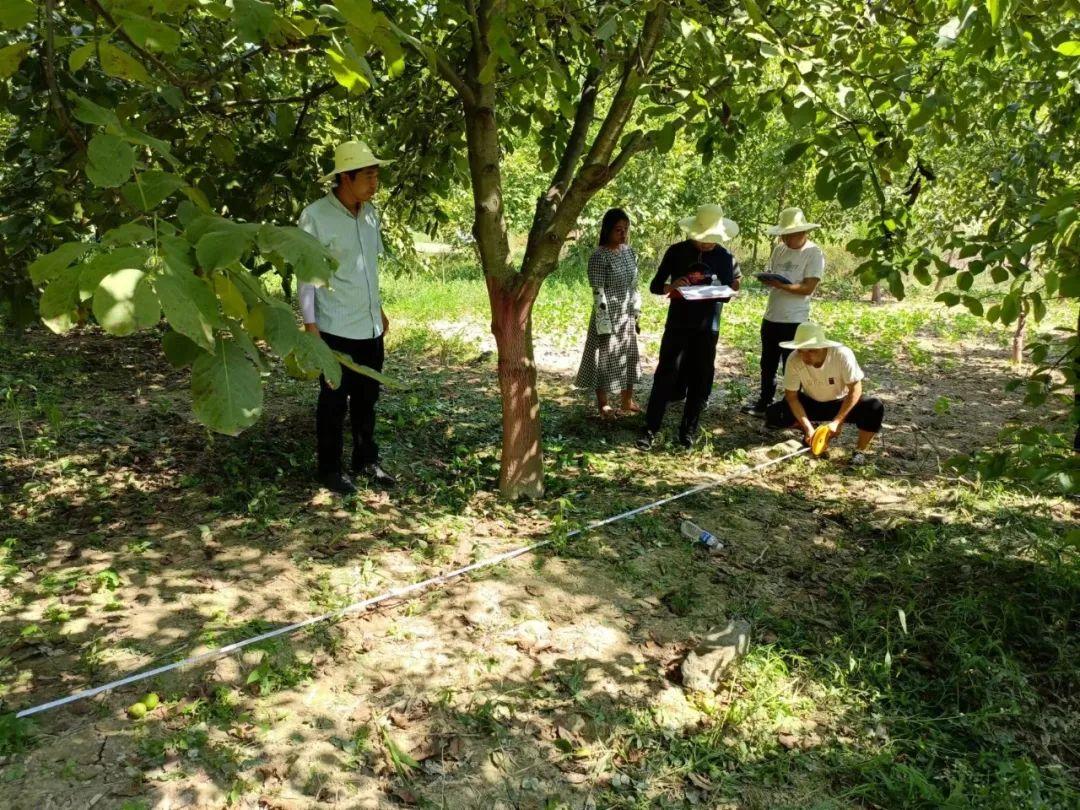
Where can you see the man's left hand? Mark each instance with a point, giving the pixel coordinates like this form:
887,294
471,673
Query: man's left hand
834,427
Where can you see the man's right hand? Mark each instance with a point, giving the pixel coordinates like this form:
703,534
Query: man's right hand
312,327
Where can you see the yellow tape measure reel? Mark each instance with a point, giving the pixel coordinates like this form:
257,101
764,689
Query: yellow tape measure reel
819,441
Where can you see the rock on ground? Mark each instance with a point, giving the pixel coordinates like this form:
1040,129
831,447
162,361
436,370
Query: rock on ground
704,667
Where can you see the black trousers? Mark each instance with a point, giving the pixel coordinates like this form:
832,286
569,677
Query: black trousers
867,413
687,356
357,394
772,355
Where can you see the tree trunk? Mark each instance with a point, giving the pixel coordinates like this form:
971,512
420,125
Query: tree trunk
521,473
876,295
1018,339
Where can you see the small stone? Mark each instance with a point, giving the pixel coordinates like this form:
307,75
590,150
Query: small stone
704,667
789,741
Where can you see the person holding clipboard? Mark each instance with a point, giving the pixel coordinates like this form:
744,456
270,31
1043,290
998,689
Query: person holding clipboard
688,347
795,268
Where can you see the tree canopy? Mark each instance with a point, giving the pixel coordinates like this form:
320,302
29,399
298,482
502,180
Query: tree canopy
158,152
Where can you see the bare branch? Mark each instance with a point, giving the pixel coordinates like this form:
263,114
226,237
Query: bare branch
575,144
442,65
635,144
57,100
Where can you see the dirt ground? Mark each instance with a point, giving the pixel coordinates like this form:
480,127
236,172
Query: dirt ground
522,686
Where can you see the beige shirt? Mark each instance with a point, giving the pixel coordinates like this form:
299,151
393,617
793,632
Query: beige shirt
797,265
830,382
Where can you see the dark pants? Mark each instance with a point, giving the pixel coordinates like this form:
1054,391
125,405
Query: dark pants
690,356
867,413
357,394
772,355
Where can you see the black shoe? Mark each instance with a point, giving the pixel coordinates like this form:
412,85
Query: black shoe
336,482
646,441
686,440
376,475
755,408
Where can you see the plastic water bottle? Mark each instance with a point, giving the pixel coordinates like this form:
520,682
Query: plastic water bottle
703,538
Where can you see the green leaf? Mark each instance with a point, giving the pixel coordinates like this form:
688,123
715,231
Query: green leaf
313,357
59,303
150,188
88,112
1070,48
232,300
222,247
122,65
310,259
151,34
179,351
948,299
999,274
127,234
45,268
347,69
125,302
607,28
825,183
994,7
1010,308
753,11
795,151
14,14
964,280
279,327
110,160
93,271
254,19
81,55
11,57
665,137
223,149
367,371
191,308
850,193
974,305
226,389
358,13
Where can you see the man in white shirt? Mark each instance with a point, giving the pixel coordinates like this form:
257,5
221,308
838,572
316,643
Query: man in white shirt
823,382
802,263
348,314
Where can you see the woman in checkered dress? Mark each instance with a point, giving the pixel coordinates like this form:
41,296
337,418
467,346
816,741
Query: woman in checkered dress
610,363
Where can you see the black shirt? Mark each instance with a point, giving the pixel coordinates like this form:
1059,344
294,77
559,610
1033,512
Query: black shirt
679,261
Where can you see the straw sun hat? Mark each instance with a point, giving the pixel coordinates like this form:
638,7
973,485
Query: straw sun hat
792,220
809,336
350,156
709,225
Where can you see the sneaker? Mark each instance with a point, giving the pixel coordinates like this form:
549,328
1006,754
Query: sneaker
377,475
859,459
646,441
755,408
336,482
686,441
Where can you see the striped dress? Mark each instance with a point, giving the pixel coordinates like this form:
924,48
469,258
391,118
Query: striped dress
611,362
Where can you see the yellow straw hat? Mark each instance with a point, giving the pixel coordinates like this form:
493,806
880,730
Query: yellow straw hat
792,220
709,225
352,155
809,336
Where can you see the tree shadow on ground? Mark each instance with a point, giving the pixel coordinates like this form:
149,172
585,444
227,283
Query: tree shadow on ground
260,530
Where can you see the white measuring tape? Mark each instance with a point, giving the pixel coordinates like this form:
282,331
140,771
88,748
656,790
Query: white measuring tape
396,593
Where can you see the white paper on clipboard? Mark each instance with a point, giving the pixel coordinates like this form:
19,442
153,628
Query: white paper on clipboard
708,292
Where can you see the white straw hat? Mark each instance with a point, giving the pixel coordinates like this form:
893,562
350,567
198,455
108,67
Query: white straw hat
709,225
352,155
809,336
792,220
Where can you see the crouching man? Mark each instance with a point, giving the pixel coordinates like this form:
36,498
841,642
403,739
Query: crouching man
823,383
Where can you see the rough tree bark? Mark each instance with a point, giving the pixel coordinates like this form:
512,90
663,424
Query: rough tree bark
511,292
1018,339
